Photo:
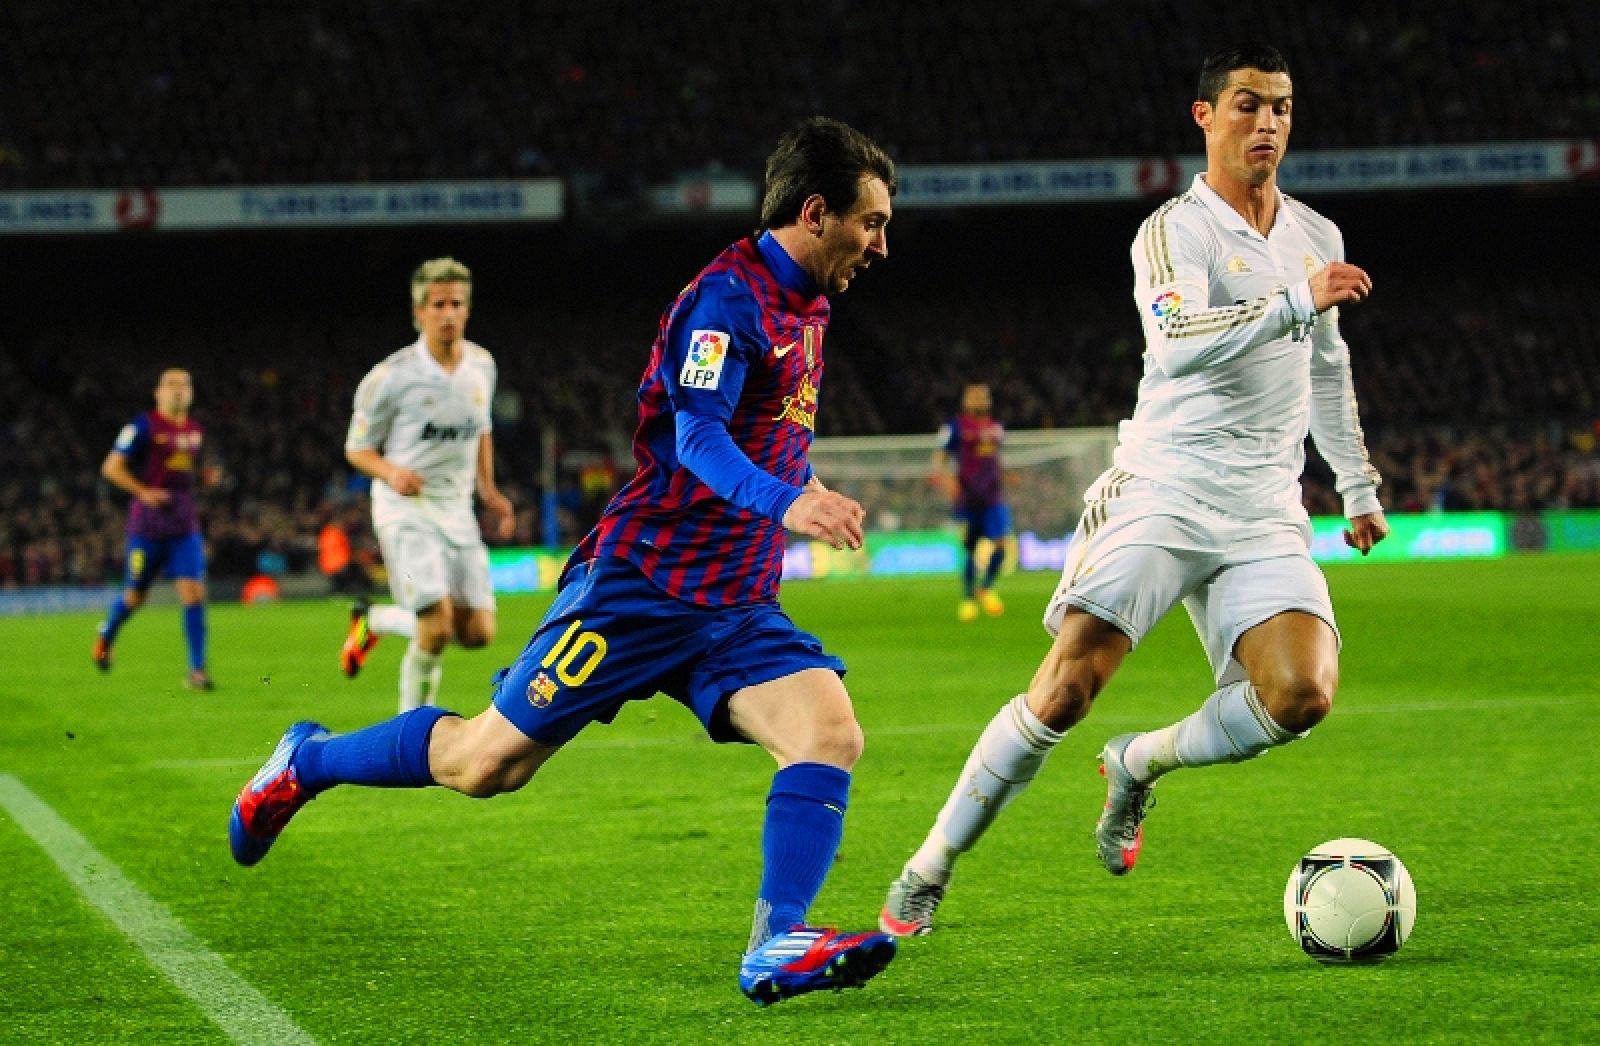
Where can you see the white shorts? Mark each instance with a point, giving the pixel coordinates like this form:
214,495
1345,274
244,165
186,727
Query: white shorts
424,568
1141,546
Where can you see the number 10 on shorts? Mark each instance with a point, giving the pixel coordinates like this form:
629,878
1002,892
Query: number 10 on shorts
573,645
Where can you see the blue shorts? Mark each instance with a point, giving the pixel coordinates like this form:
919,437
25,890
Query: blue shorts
992,521
183,557
612,637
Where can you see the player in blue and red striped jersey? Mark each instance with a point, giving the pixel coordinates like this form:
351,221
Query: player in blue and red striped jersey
675,589
156,460
968,460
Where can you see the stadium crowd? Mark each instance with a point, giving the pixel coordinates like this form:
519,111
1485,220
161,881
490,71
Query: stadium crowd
185,92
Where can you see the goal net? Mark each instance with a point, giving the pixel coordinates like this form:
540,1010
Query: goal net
1046,471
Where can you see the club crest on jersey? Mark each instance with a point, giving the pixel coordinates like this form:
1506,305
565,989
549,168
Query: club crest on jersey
1166,306
702,368
542,690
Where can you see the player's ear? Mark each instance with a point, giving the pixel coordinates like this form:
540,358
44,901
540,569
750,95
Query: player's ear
811,213
1202,111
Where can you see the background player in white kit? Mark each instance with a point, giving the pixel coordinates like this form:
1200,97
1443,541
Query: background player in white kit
1238,288
421,430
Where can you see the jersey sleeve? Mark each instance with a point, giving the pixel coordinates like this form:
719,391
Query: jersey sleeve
492,369
1172,284
133,437
374,411
947,437
712,340
1335,419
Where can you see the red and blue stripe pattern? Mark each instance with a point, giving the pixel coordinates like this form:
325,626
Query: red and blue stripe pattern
690,542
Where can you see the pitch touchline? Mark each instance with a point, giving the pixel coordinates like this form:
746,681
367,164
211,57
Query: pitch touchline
911,730
242,1012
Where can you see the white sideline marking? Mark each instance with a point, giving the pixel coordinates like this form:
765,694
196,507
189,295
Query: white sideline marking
242,1012
1112,718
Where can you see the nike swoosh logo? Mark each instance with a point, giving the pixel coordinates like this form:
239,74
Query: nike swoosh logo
782,351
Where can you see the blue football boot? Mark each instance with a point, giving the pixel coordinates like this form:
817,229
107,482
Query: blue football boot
808,959
272,797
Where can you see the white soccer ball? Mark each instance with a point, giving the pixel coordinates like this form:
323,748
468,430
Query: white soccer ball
1350,900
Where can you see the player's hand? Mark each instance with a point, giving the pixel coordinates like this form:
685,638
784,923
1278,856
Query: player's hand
503,518
405,482
828,516
1366,531
1339,283
154,497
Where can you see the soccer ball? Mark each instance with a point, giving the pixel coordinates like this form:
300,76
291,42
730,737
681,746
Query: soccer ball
1350,900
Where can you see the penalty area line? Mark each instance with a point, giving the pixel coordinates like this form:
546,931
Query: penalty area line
230,1002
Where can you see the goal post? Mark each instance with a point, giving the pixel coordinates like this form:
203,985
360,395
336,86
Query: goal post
1046,472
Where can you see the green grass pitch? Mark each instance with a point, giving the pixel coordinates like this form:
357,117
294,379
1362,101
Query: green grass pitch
609,900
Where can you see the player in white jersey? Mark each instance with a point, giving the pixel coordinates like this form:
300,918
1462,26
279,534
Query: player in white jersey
421,430
1238,287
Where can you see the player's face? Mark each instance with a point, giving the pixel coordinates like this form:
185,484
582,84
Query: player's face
975,399
853,240
174,392
1247,131
442,316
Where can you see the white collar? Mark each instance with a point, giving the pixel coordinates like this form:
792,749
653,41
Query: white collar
420,346
1232,219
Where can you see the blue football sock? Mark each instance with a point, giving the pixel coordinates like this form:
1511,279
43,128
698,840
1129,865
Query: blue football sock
805,821
116,614
391,754
969,573
194,631
997,559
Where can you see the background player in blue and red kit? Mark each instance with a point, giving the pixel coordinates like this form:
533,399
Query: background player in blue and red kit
968,460
156,460
674,590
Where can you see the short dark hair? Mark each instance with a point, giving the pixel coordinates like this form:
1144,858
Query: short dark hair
820,156
1214,72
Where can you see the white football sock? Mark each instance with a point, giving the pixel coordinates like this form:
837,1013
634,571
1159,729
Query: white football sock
1007,756
391,620
420,672
1230,727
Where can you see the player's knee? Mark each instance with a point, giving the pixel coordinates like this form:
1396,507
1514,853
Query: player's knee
838,743
476,634
1299,701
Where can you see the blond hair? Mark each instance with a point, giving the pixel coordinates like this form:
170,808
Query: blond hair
438,270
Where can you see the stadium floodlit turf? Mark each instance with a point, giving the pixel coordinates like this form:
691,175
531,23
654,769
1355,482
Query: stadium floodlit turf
609,900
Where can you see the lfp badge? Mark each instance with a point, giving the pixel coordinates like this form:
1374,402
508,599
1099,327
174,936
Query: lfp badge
1166,306
702,367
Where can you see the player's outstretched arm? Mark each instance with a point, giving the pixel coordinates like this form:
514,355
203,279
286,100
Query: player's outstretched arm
827,516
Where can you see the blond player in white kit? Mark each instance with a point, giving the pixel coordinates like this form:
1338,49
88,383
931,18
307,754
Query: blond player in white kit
1239,288
421,430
